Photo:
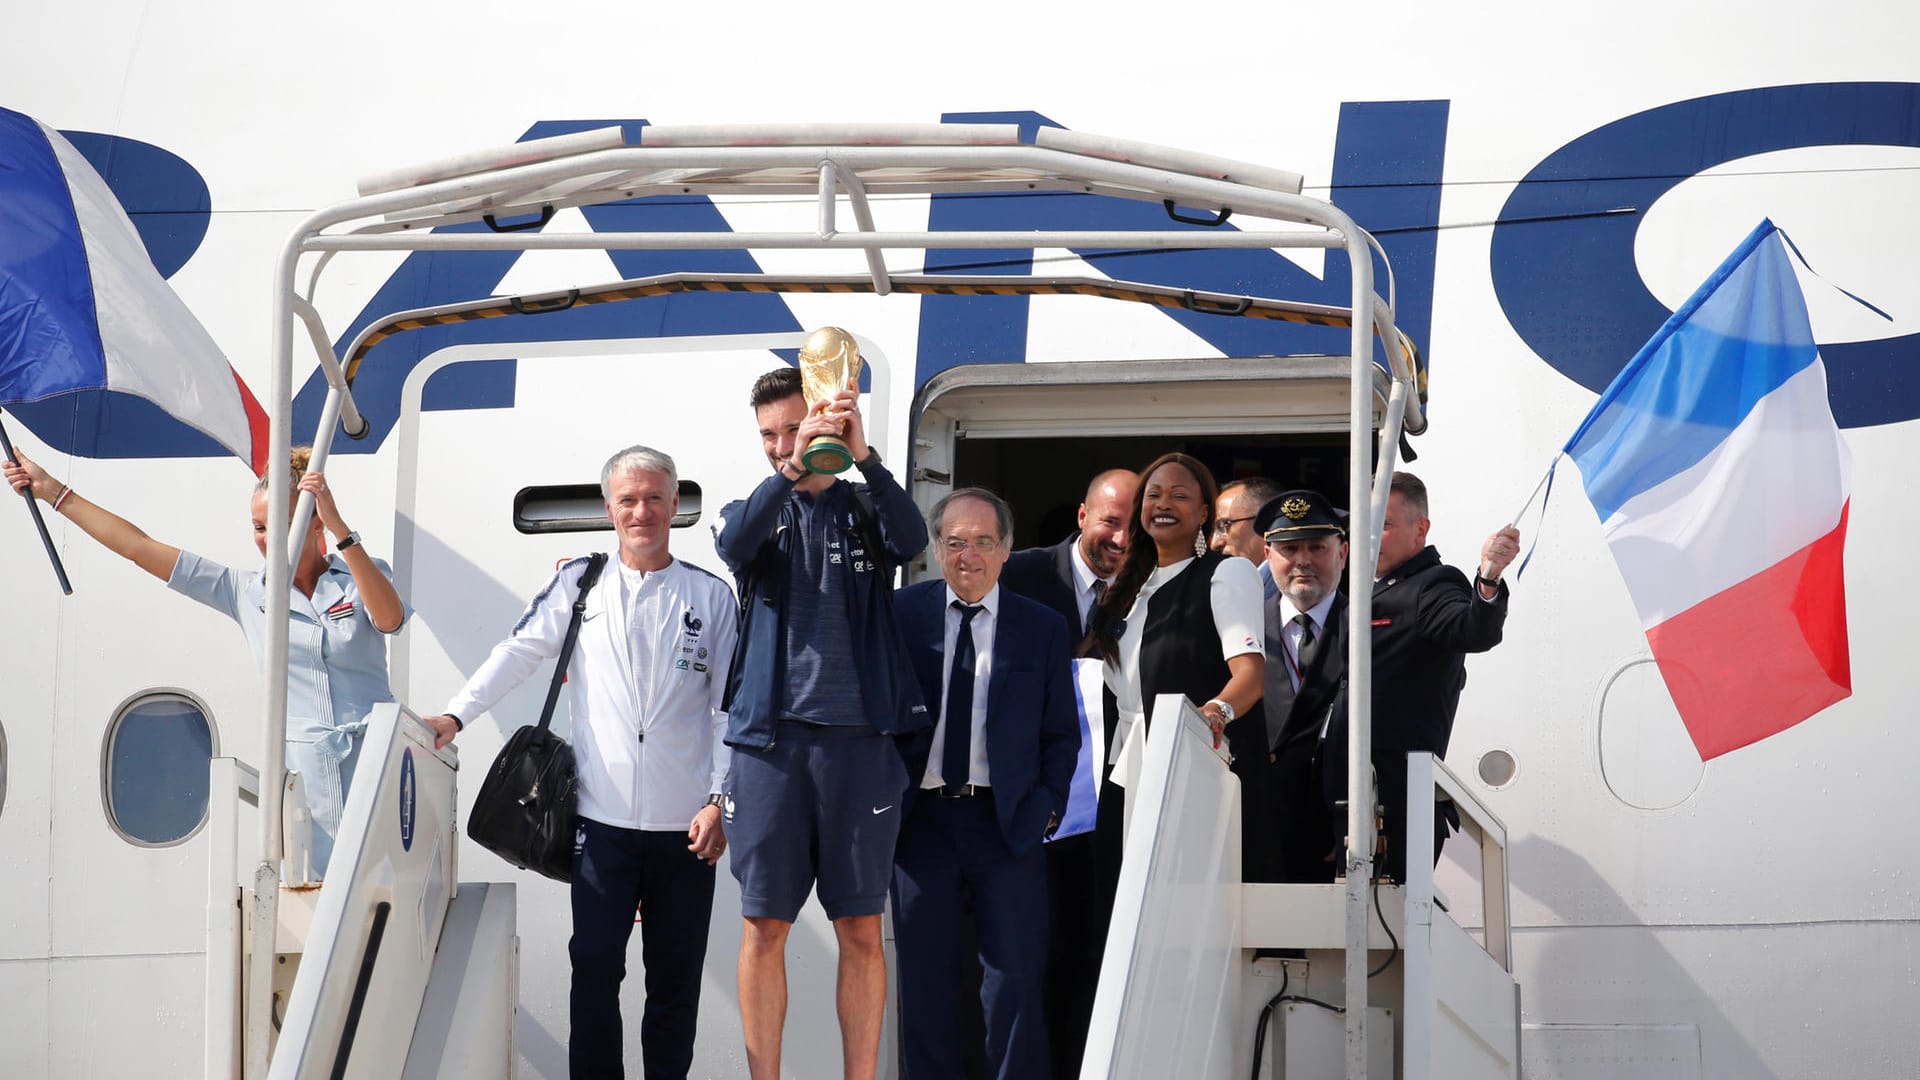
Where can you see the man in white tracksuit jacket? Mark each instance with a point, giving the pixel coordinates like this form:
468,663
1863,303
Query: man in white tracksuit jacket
646,680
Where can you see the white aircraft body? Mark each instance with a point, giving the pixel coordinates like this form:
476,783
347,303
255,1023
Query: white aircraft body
1549,181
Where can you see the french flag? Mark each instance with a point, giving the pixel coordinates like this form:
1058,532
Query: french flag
82,307
1722,484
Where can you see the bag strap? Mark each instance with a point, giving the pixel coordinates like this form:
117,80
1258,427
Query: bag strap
587,579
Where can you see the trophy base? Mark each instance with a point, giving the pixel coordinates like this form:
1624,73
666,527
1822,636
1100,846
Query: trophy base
827,454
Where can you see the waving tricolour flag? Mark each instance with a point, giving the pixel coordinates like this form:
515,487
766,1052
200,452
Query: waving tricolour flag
1722,484
82,307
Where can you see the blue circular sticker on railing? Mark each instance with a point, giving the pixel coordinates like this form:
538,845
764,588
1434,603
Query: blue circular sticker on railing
406,799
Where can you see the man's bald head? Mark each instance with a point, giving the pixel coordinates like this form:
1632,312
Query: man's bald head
1104,518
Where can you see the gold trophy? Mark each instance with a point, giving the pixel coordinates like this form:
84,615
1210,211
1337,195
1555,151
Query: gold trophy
829,361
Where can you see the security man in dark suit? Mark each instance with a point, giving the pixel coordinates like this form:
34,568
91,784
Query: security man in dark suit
1426,619
989,783
1306,638
1082,871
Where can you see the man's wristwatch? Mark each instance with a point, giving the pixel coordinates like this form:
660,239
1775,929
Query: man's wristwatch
1226,710
352,539
717,799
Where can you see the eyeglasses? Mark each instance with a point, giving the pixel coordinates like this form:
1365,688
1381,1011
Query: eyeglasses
1221,526
981,545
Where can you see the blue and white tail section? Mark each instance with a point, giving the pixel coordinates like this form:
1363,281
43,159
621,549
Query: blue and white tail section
82,308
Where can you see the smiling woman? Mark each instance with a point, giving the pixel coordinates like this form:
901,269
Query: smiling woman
1174,622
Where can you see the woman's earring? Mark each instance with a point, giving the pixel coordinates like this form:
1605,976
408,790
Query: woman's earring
1200,543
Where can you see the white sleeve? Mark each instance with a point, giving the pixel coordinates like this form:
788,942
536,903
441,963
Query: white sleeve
535,639
1235,594
726,631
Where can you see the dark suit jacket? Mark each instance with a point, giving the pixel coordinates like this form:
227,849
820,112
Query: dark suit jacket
1033,725
1046,574
1322,685
1426,619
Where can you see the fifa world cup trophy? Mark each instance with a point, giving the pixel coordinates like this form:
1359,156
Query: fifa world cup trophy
829,361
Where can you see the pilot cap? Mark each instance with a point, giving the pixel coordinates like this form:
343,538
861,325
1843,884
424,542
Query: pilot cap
1297,515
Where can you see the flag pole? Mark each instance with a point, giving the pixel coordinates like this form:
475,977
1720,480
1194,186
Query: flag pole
39,522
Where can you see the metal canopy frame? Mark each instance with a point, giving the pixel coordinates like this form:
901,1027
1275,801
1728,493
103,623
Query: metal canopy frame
834,164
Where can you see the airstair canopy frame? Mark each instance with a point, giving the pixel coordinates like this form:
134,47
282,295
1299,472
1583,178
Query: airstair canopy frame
516,189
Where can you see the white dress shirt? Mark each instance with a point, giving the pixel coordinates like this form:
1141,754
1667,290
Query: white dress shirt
1290,631
982,628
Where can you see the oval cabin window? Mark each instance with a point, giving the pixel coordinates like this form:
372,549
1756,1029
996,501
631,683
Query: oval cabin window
155,768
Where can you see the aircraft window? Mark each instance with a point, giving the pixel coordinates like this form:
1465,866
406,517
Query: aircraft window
580,508
154,768
1497,768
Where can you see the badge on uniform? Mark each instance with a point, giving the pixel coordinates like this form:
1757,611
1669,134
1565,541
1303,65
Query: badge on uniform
680,663
340,611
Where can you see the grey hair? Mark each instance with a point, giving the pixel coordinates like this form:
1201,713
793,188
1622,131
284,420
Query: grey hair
1001,511
1408,487
636,459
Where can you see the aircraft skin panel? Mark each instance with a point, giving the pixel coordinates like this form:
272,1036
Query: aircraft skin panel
24,1024
124,1016
1683,886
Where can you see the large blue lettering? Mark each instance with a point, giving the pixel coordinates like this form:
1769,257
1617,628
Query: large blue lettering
1387,167
1565,272
431,278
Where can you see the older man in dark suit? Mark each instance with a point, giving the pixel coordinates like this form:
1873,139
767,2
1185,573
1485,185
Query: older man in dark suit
1426,619
1306,541
1082,870
989,783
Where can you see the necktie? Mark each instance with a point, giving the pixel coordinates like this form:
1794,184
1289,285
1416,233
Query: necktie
1305,652
957,755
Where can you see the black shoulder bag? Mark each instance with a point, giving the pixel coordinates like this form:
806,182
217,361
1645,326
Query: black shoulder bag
524,811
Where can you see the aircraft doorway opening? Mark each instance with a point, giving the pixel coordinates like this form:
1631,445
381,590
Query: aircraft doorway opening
1045,478
1037,433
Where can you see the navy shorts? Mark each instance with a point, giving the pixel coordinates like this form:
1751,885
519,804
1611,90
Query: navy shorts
822,804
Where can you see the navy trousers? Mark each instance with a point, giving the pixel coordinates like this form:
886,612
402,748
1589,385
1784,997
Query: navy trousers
951,855
616,870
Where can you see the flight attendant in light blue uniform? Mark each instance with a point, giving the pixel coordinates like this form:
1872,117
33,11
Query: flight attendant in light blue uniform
342,607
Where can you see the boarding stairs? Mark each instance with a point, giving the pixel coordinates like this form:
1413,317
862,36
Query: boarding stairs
1183,994
392,967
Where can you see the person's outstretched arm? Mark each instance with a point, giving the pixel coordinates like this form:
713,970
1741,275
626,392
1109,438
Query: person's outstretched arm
115,533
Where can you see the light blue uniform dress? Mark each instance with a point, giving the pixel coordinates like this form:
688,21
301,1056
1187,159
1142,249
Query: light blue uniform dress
336,672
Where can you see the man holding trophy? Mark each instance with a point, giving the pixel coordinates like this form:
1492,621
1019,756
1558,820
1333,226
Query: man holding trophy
818,687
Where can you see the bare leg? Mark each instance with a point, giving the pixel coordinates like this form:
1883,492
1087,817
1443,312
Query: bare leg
763,993
862,993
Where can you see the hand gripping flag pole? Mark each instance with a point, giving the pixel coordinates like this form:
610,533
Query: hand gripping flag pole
39,522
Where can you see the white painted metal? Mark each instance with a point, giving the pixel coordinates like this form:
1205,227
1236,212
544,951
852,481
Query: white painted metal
396,848
230,784
498,157
1459,1007
1161,157
809,240
465,1029
662,135
1171,978
351,422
